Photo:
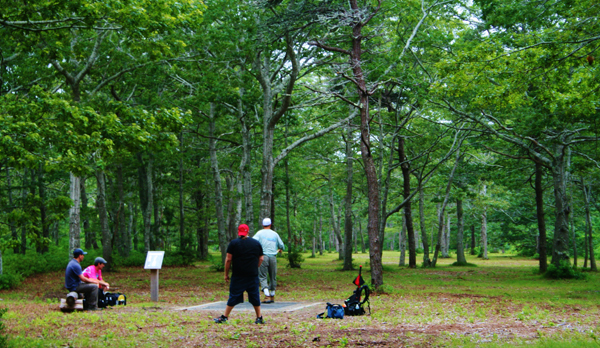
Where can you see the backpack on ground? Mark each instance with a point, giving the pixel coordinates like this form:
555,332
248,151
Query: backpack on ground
111,299
334,311
354,304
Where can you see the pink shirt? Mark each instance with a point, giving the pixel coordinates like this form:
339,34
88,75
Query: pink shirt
92,272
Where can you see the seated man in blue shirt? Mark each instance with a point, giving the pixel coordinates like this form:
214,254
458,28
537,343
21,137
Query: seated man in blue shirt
77,282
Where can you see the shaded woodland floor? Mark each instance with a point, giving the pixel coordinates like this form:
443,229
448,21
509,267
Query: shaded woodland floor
501,302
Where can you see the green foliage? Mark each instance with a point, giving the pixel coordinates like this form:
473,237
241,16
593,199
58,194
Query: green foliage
9,280
3,338
563,271
215,264
178,258
295,259
18,267
135,258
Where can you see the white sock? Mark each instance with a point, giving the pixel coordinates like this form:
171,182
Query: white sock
266,292
272,293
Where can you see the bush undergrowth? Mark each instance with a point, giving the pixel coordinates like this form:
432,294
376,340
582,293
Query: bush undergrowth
563,271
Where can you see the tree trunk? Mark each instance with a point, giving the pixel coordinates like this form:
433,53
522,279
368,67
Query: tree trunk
201,231
446,243
182,239
103,214
560,249
43,247
402,244
148,237
460,249
314,239
484,249
231,206
218,190
13,228
90,240
131,226
472,239
441,215
574,241
588,224
320,229
290,244
426,260
23,227
120,226
74,228
405,165
348,228
245,167
334,223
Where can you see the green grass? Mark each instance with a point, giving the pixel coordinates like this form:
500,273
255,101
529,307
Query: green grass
500,303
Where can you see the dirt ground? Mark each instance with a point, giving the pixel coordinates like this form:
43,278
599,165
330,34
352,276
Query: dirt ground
432,319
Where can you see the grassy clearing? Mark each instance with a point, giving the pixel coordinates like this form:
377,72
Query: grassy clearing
499,303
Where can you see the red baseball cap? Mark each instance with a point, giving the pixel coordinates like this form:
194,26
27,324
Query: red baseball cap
243,230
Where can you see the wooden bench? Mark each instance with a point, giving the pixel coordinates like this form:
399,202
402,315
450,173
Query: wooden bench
71,303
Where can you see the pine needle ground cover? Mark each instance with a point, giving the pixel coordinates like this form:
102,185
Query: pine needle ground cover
499,303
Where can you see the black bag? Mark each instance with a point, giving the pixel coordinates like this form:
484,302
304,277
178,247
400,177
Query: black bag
354,304
112,299
334,311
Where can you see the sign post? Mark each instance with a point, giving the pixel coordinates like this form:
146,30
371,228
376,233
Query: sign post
154,261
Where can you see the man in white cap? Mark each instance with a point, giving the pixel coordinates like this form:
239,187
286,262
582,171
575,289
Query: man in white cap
267,272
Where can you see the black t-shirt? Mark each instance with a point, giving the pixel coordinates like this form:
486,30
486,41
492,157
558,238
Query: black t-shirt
245,253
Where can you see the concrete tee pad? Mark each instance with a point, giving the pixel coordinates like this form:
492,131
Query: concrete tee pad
246,306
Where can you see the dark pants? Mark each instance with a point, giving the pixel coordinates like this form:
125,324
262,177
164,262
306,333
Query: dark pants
238,286
90,292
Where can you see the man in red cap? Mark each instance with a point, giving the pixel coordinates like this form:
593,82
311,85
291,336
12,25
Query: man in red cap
244,256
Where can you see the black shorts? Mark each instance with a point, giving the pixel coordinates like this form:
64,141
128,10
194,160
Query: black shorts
237,287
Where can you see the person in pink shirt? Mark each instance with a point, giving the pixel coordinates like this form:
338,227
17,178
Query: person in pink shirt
95,272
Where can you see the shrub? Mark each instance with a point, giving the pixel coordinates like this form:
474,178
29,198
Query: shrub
179,258
3,338
9,281
135,259
216,264
295,259
563,271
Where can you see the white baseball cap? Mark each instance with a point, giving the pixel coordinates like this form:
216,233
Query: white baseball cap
266,222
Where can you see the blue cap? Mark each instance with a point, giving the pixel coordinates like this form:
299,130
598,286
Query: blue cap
78,252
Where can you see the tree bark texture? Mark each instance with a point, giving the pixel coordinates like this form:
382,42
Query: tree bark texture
214,164
103,215
460,229
402,244
120,219
443,208
43,247
334,221
588,224
560,249
348,228
182,239
13,228
426,259
405,165
446,243
74,227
